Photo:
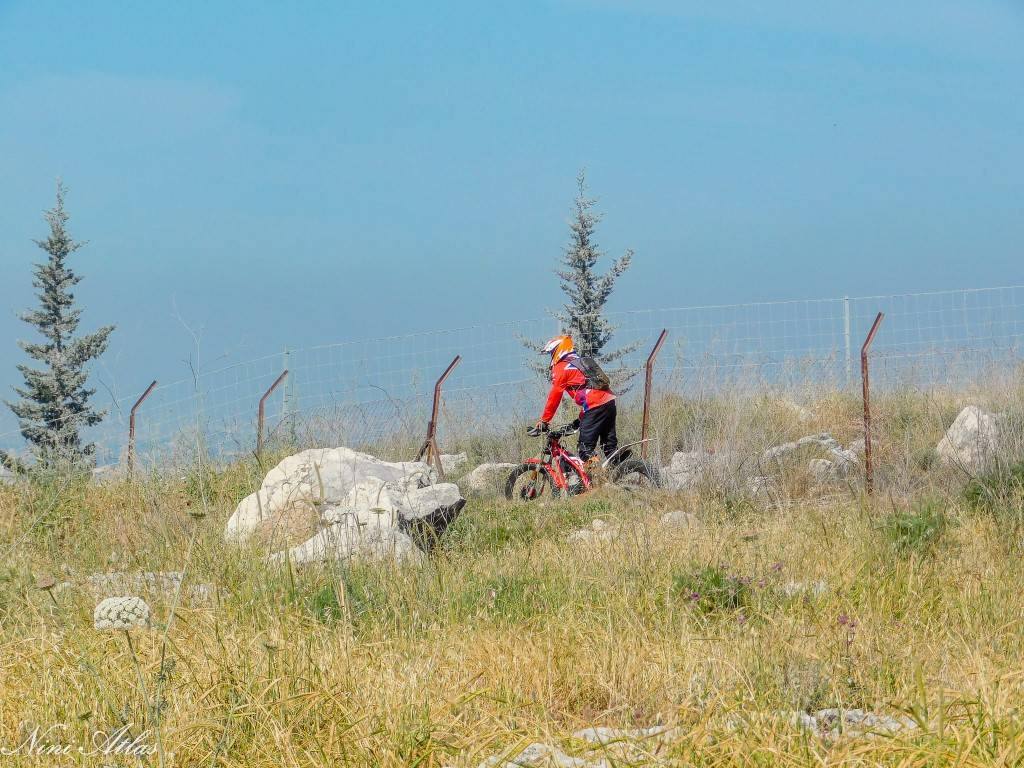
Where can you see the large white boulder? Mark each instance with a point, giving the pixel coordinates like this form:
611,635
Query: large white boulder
360,507
488,478
971,440
313,479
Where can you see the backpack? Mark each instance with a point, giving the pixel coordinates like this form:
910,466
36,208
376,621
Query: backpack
596,377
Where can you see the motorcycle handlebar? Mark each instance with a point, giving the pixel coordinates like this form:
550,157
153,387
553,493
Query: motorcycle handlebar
554,434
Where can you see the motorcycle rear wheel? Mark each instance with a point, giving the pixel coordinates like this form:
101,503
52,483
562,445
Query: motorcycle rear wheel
637,474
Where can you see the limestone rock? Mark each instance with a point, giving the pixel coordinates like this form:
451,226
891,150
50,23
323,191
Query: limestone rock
632,745
680,519
686,469
162,584
453,461
306,481
804,588
822,470
343,542
842,460
488,478
360,507
831,724
537,755
599,530
971,440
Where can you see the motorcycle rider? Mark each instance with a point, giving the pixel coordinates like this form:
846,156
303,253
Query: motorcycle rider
597,406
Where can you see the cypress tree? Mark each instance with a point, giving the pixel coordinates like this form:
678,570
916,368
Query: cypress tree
582,317
54,403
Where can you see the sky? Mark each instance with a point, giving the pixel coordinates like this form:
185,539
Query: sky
261,175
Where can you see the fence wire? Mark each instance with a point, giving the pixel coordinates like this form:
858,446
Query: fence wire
376,394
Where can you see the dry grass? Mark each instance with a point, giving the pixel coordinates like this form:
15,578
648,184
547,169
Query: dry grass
509,634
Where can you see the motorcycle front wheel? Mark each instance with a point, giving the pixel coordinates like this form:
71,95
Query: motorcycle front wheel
530,482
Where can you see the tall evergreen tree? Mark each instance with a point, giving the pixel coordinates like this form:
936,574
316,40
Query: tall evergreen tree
54,405
588,291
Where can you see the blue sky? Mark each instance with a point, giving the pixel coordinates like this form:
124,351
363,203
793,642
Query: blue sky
293,174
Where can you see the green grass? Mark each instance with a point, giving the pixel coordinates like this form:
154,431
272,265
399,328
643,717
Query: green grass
510,633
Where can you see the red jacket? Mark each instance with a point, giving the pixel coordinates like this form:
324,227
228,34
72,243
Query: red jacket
567,379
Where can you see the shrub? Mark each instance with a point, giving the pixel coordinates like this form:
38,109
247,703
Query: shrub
1001,488
917,529
713,589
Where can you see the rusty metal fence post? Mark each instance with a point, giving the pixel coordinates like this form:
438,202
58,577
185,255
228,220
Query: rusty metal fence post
869,479
648,382
261,414
131,429
429,446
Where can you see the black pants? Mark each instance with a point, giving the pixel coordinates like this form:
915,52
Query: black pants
598,425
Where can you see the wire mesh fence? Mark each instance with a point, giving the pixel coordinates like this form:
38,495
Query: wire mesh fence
376,394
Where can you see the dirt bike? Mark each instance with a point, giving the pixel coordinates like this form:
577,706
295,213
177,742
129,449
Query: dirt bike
566,474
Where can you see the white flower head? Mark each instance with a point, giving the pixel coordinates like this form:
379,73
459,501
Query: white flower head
121,613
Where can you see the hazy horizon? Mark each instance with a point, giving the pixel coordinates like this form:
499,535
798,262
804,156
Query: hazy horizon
296,176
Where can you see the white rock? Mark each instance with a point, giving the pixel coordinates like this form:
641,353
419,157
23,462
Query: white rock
346,541
599,530
798,588
488,478
422,503
6,476
686,469
971,440
630,744
803,720
538,755
680,519
320,476
758,484
159,583
833,723
386,503
842,460
822,470
453,461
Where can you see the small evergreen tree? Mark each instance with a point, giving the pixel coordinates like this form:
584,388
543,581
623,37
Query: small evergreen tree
588,291
54,404
582,316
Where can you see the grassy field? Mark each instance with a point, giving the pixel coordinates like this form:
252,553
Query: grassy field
906,604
